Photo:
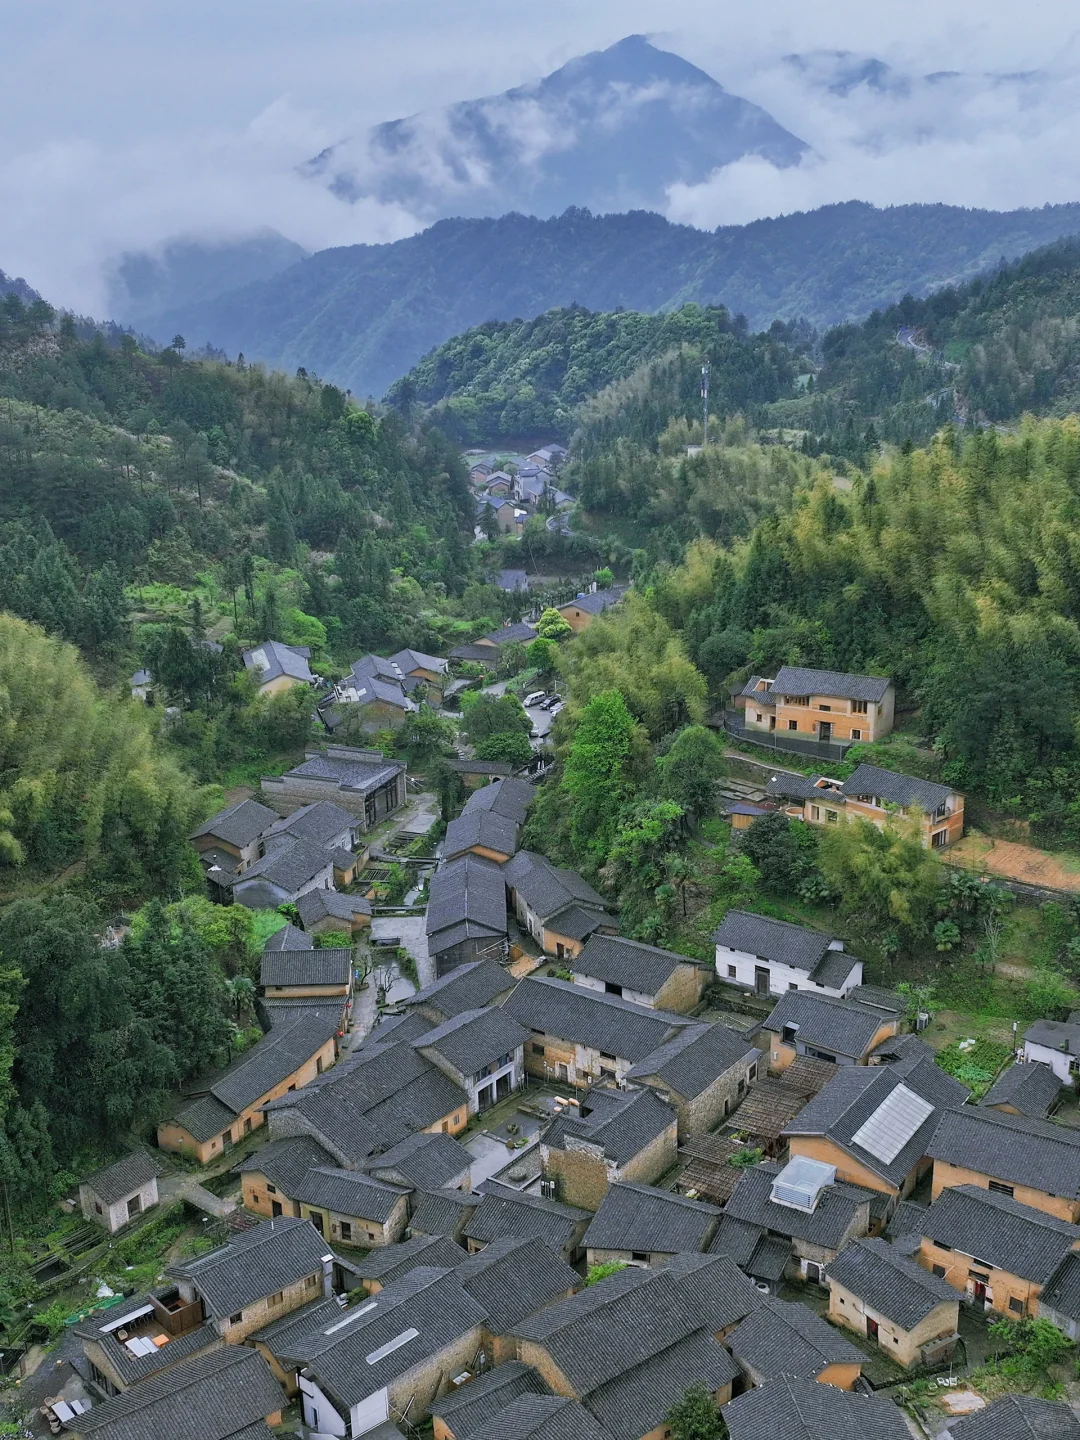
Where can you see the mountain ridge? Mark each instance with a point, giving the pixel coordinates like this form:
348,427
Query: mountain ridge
363,315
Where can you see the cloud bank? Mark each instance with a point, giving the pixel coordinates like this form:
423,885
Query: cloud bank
127,126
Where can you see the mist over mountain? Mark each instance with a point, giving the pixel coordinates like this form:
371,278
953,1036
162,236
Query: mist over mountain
611,130
362,315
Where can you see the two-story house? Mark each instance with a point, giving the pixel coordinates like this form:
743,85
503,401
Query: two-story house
559,909
873,794
612,1134
260,1275
642,1225
823,705
1056,1043
771,957
643,974
482,1051
844,1032
466,913
1032,1161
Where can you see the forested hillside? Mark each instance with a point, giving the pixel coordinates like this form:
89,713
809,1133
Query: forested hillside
363,315
528,377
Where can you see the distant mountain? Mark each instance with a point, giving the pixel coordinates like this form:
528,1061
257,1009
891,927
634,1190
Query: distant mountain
145,285
611,130
363,315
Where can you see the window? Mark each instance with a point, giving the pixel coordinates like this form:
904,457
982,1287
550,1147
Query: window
789,1033
641,1256
537,1049
236,1319
939,1271
831,817
793,724
757,716
271,1189
856,734
346,1230
311,1283
858,707
277,1298
792,985
732,972
751,1074
606,1074
941,1246
939,839
841,1300
1016,1305
815,812
256,1198
318,1064
797,699
604,1056
98,1208
826,708
1000,1189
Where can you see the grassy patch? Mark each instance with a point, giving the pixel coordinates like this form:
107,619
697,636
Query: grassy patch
977,1064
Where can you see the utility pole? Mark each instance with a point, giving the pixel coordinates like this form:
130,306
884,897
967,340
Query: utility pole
705,403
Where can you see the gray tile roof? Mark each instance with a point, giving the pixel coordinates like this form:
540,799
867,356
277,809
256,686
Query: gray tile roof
427,1161
774,940
1020,1417
1015,1148
1062,1291
480,828
215,1396
608,1329
407,660
521,632
827,1022
906,1224
1016,1238
905,790
621,1122
359,770
387,1263
274,1058
630,963
464,1411
512,1278
1031,1088
441,1212
546,888
254,1264
321,822
786,786
600,1022
693,1059
509,798
542,1417
467,891
238,824
124,1176
288,938
837,1208
288,866
465,988
347,1192
795,680
643,1218
284,1162
639,1400
791,1409
879,998
356,1356
306,967
854,1097
474,1039
505,1213
577,922
315,905
1063,1035
889,1282
781,1338
596,602
272,658
204,1117
279,1334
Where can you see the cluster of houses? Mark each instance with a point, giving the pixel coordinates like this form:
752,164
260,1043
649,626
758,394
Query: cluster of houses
800,707
392,1278
515,493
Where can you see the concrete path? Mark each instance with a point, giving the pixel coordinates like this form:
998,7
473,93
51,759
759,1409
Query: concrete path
186,1187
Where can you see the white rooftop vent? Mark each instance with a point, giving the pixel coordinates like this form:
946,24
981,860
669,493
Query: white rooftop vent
893,1124
392,1345
801,1182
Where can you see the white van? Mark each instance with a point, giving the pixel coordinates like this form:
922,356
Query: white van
535,698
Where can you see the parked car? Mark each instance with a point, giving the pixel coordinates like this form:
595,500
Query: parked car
556,708
551,702
535,698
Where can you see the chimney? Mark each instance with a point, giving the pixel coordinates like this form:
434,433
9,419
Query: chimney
328,1276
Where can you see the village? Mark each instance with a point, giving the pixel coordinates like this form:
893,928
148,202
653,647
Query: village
496,1171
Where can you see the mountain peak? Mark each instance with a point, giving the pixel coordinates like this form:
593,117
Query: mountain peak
610,130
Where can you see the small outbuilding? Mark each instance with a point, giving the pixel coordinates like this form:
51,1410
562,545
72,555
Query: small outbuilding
114,1196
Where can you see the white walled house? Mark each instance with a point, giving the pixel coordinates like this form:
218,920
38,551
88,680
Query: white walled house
1056,1043
482,1051
771,957
116,1195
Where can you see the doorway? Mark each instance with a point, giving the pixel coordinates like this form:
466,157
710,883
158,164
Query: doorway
871,1328
316,1219
825,731
761,980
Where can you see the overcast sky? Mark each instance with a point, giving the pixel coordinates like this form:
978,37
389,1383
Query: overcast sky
126,123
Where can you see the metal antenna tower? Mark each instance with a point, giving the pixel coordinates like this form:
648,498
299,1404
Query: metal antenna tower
705,403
